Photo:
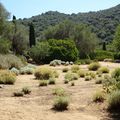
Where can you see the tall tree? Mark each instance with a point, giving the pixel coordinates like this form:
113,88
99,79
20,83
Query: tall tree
32,41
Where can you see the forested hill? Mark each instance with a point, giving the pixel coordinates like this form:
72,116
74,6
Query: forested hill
103,22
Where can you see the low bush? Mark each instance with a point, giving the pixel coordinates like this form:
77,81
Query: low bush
75,68
9,61
26,90
15,71
103,70
7,77
99,81
26,70
43,83
72,84
66,81
55,74
91,74
55,63
88,78
61,103
71,76
65,70
52,81
81,73
18,94
99,96
114,101
43,73
83,61
116,73
59,92
94,66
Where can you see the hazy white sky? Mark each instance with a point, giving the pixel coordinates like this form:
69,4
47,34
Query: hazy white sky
28,8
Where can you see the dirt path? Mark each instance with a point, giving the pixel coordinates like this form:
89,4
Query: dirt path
37,106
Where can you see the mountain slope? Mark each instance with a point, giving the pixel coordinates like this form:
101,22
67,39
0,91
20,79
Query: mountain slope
103,23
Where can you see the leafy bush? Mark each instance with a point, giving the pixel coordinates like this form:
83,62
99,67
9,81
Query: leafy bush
61,103
9,61
103,70
99,81
43,83
26,90
91,74
55,62
55,74
65,70
26,70
116,73
94,66
59,92
75,68
71,76
87,78
117,56
15,71
43,73
7,77
40,52
99,96
114,100
18,94
81,73
52,81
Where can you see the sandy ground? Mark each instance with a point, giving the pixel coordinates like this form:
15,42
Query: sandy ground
38,105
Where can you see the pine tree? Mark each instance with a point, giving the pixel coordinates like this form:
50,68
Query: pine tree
32,41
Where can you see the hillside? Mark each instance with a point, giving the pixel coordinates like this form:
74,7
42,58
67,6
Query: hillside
103,22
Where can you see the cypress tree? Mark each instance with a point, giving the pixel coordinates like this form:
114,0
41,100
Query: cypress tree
31,35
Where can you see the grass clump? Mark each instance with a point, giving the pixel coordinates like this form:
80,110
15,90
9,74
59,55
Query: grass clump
72,84
91,74
88,78
94,66
59,92
75,68
55,63
103,70
66,81
81,73
99,81
52,81
43,83
7,77
18,94
65,70
98,97
15,71
71,76
61,103
116,73
114,100
43,73
26,90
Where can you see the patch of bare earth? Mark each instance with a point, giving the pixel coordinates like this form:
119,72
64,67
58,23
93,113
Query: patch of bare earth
38,105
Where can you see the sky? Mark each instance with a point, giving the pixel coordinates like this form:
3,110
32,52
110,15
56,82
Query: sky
29,8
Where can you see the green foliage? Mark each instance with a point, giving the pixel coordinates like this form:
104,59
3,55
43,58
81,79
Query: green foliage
15,71
99,81
44,73
64,50
75,68
88,78
26,90
117,56
61,103
103,70
40,52
81,73
94,66
116,73
26,70
52,81
65,70
99,96
71,76
55,63
32,40
114,100
18,94
7,77
83,61
43,83
59,92
5,46
91,74
66,81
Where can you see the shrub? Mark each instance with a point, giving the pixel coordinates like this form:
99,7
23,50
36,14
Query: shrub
66,81
55,74
81,73
83,61
55,62
26,70
43,73
91,74
87,78
61,103
43,83
71,63
26,90
67,63
15,71
117,56
75,68
7,77
99,96
71,76
114,100
103,70
59,92
9,61
94,66
18,94
116,73
99,81
65,70
52,81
